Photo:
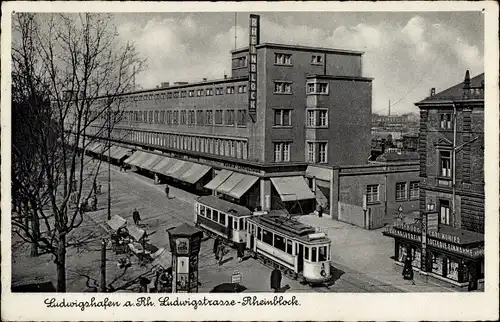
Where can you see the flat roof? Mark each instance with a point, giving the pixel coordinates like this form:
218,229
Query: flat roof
302,48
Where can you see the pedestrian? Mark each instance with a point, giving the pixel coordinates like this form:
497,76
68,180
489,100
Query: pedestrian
136,217
408,269
94,187
99,188
221,249
276,280
167,191
94,203
216,247
240,250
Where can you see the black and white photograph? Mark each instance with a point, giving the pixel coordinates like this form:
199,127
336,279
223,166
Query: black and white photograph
227,152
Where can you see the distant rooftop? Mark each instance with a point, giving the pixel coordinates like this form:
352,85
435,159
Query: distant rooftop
304,48
392,156
470,88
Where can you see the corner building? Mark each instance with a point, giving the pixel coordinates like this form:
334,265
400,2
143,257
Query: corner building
313,106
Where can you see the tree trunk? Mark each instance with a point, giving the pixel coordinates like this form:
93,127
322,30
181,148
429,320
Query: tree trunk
35,230
61,264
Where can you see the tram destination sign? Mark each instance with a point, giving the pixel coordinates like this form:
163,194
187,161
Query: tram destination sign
252,63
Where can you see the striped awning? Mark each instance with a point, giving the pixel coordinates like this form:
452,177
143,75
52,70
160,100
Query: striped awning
242,187
292,188
218,180
195,173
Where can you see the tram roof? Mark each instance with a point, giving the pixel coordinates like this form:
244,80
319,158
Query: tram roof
278,221
224,206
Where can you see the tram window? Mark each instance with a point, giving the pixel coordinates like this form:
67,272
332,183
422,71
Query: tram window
222,218
306,252
241,223
279,242
235,224
289,246
209,213
245,221
259,233
313,254
267,237
322,255
202,210
215,215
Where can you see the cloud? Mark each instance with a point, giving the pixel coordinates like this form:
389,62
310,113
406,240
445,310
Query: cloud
405,58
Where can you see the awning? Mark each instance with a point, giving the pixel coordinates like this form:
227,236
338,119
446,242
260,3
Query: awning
196,172
119,152
136,232
241,187
218,180
319,173
116,222
151,161
138,158
180,171
230,183
292,188
163,165
174,167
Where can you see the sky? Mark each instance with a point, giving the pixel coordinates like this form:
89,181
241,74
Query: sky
406,53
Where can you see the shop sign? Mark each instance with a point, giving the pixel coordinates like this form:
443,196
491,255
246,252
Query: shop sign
411,228
403,234
432,221
252,63
446,237
471,252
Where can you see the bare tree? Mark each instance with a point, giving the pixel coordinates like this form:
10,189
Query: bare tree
69,72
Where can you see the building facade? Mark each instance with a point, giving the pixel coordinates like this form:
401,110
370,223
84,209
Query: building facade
448,243
255,132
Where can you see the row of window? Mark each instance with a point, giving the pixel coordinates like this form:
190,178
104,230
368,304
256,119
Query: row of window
316,152
220,217
189,117
217,146
402,191
279,59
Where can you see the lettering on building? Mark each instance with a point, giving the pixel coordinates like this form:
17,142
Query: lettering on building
252,63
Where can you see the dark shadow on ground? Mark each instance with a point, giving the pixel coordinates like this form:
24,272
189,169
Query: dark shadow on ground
227,260
228,288
46,287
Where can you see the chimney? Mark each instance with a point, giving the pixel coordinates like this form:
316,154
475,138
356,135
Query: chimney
165,84
225,76
433,91
204,79
467,80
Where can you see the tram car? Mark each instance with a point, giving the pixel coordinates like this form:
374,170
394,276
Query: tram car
295,248
218,217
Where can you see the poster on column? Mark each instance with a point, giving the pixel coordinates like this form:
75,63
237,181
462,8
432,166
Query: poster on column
182,283
182,265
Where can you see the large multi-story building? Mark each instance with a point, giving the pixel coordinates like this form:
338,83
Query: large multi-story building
251,136
448,243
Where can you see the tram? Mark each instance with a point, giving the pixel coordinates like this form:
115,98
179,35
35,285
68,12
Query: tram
295,248
219,217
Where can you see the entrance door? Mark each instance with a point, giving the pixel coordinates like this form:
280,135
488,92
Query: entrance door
300,258
230,227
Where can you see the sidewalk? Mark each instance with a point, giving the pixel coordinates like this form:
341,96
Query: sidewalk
368,252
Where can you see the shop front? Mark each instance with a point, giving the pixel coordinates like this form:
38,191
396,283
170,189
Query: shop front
450,254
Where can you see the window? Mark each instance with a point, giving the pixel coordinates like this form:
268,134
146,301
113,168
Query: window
176,94
282,59
401,188
191,119
183,117
200,92
156,117
310,152
183,94
445,121
282,117
281,87
169,95
176,117
218,116
267,237
414,190
311,118
322,254
210,117
372,193
306,252
281,152
210,91
169,117
150,117
191,93
444,212
322,152
323,118
445,163
222,218
199,117
219,91
242,89
240,62
230,90
209,213
259,233
215,215
162,117
279,242
242,114
317,88
289,246
317,59
313,254
229,117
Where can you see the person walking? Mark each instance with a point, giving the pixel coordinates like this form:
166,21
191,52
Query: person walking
136,217
216,247
99,188
94,202
221,249
276,280
167,191
240,250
